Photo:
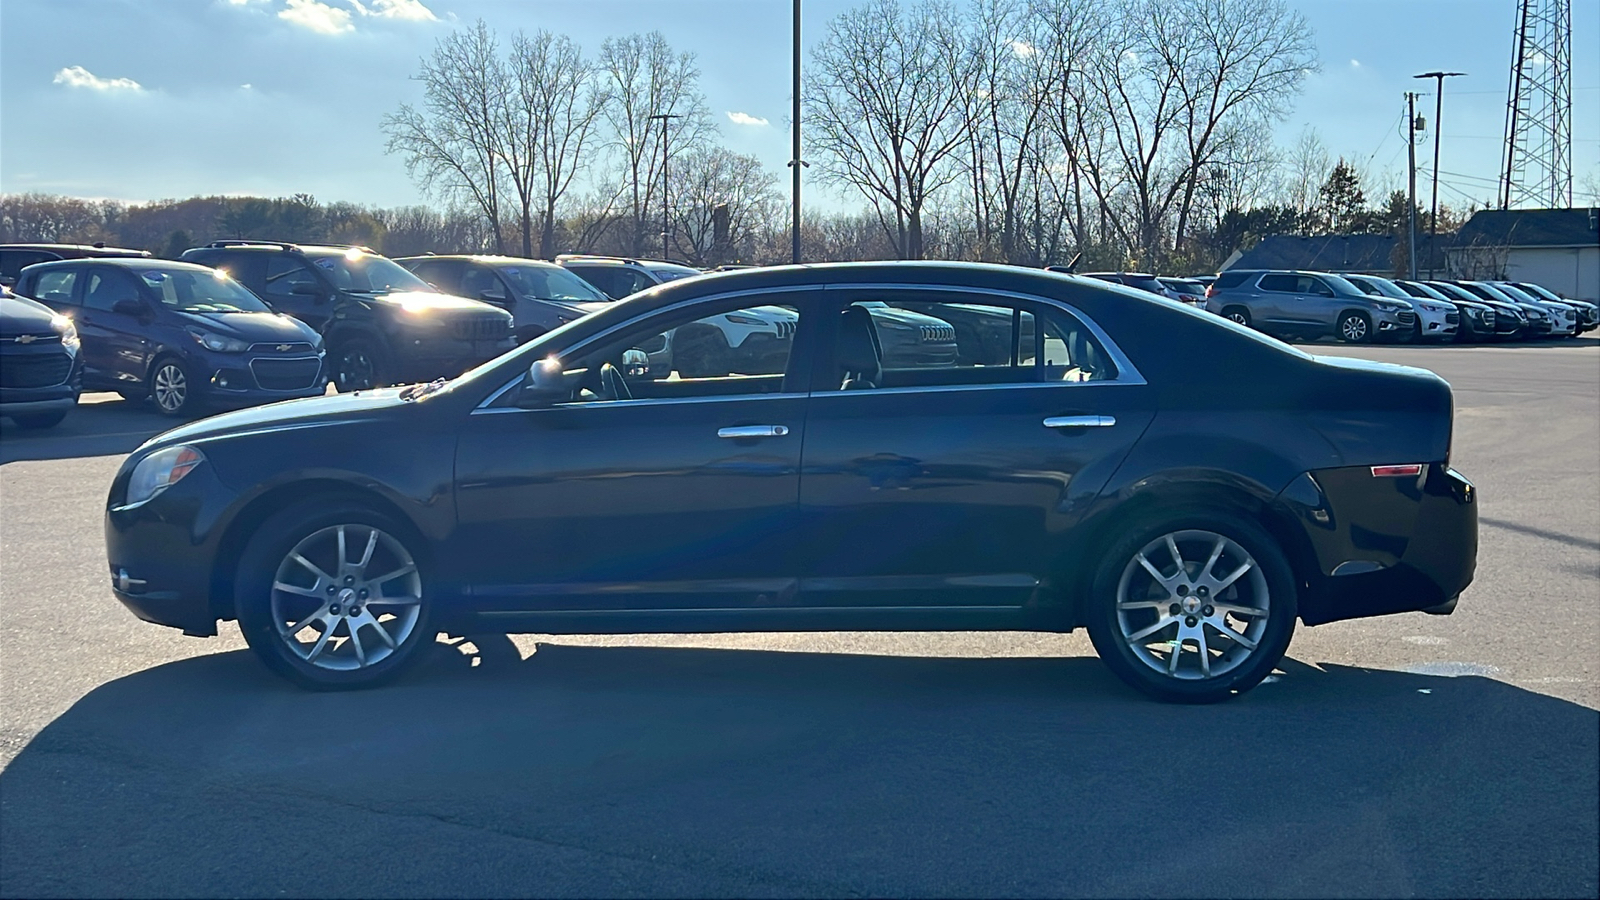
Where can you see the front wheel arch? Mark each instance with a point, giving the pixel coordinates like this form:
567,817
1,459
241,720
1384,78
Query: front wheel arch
225,562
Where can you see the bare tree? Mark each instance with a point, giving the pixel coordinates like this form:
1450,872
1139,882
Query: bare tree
1305,169
713,177
642,78
560,104
886,98
454,146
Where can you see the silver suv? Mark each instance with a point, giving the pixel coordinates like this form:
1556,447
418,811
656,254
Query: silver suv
1308,305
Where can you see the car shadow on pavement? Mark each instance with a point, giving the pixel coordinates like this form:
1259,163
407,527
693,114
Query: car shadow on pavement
610,771
95,427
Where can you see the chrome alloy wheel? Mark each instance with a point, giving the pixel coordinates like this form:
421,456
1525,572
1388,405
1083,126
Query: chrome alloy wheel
346,597
1239,318
1181,617
171,387
1353,329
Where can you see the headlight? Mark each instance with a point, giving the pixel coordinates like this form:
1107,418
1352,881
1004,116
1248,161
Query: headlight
738,319
159,471
219,343
68,331
1431,307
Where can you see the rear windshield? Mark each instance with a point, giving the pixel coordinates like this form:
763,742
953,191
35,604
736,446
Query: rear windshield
1143,283
1230,279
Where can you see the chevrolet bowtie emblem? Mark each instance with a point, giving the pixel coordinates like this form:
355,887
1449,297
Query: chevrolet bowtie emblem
26,338
284,348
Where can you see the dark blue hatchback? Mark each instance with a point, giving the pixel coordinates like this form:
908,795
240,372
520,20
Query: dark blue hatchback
185,335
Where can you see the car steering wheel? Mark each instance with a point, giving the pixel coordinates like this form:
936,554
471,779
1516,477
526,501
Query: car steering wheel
612,384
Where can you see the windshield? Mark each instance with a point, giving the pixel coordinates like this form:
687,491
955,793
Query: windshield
1517,294
201,291
1382,287
1185,287
672,273
1341,285
551,283
1497,294
1538,291
1423,291
367,273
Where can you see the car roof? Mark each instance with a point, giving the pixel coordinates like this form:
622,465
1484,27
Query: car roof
488,259
81,250
122,263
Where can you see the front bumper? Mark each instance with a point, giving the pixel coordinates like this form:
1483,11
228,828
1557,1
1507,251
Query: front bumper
1379,545
1437,325
161,552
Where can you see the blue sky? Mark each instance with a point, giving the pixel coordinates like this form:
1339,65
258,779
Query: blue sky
146,99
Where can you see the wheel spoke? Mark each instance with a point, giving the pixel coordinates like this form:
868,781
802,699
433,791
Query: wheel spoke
382,632
1143,633
1205,652
1216,554
403,570
1172,547
1238,610
322,641
1225,583
1234,636
354,626
372,543
1144,604
296,628
310,565
1150,567
297,589
1172,660
376,600
344,560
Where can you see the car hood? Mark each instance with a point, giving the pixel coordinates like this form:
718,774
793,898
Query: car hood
19,315
254,327
313,412
428,301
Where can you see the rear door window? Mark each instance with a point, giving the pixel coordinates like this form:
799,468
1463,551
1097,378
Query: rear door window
285,273
106,287
1281,283
56,286
12,262
1230,280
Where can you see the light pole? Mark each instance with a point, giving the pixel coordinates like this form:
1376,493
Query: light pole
794,161
1438,112
666,211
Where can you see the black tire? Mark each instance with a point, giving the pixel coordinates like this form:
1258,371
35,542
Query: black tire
1237,314
171,387
1248,667
255,596
358,364
1353,328
40,420
700,351
133,396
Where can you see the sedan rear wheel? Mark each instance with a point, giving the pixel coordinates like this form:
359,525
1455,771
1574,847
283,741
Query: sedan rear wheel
1193,609
333,598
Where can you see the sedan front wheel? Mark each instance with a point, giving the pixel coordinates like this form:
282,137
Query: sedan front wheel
1194,608
332,597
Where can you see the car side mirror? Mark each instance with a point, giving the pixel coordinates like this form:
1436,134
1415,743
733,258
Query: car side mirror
635,363
493,298
547,384
128,307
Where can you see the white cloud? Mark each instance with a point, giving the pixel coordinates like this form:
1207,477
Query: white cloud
245,2
315,16
1355,63
410,10
79,77
247,86
739,118
1023,49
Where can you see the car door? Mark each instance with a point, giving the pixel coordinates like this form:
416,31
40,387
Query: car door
1320,306
954,485
114,327
683,496
291,286
1276,307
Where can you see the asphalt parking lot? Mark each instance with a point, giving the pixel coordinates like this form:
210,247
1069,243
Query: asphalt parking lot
1403,756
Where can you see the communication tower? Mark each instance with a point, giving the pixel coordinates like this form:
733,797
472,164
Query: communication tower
1536,170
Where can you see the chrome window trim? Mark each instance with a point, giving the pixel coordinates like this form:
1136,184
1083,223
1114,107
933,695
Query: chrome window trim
1127,373
644,401
488,402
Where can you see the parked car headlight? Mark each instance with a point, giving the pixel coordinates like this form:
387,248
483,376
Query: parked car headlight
1432,307
738,319
68,331
219,343
1388,307
159,471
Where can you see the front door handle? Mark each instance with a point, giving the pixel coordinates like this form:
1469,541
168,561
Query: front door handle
753,431
1080,421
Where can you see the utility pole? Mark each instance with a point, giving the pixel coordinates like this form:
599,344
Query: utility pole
666,210
1438,128
794,161
1411,189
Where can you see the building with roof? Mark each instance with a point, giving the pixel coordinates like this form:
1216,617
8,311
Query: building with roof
1558,249
1362,254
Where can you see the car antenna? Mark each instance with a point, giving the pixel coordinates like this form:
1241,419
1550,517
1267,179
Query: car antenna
1072,266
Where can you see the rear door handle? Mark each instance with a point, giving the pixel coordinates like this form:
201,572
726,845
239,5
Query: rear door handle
753,431
1080,421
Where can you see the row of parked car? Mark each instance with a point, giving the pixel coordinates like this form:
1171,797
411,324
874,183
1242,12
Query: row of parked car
1353,308
237,322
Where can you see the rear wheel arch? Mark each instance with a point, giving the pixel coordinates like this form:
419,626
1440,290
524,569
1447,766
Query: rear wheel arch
243,526
1175,500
